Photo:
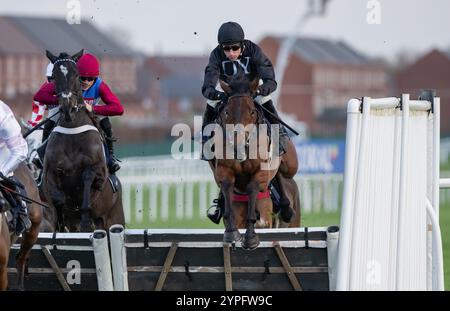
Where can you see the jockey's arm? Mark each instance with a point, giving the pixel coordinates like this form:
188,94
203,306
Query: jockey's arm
265,72
112,106
37,113
46,95
212,74
10,134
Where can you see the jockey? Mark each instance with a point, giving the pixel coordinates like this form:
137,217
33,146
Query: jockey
11,139
94,90
236,55
38,109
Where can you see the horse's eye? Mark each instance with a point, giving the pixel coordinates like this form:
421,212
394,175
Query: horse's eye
253,113
226,113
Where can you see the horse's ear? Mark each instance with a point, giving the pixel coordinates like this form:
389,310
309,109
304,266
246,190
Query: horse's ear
50,56
77,56
254,85
225,87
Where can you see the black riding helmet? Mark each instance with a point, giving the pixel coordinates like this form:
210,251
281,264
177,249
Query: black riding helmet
230,32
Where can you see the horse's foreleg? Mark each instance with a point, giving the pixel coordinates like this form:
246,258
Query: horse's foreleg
86,224
231,233
28,239
58,199
251,240
4,253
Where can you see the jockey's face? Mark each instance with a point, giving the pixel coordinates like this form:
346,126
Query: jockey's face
232,51
86,82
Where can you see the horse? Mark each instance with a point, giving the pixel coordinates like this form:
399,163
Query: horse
75,176
267,218
29,237
244,176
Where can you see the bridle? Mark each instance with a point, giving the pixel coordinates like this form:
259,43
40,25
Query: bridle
230,138
68,95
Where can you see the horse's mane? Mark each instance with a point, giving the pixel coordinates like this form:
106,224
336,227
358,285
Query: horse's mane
240,84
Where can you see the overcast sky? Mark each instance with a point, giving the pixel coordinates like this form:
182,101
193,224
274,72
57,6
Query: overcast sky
190,26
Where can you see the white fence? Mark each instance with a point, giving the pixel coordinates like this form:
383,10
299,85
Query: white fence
163,189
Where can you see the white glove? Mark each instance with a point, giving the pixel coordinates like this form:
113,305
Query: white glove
88,107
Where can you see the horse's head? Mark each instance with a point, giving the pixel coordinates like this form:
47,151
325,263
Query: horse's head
240,112
67,83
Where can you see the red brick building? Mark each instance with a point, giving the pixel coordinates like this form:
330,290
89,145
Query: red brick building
23,41
431,71
321,77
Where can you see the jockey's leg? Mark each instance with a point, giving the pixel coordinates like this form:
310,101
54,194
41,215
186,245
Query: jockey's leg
286,212
48,128
107,128
208,118
273,118
21,221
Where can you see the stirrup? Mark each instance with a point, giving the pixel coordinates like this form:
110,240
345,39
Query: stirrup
216,214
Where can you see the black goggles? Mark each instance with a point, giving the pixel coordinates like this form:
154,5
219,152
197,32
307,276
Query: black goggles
87,79
228,48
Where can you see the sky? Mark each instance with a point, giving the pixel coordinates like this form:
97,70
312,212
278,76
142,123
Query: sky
176,27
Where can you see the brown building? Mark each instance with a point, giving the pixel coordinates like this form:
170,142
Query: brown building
431,71
23,41
320,78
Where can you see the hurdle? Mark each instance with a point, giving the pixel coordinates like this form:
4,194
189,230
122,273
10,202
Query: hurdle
390,236
291,259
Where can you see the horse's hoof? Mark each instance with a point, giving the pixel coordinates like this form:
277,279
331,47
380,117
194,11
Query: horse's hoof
232,236
250,243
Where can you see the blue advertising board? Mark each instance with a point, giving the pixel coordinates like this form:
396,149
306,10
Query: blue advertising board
321,156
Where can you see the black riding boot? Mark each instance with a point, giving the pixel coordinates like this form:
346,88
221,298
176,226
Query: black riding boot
23,222
216,214
20,220
48,128
113,165
208,118
273,118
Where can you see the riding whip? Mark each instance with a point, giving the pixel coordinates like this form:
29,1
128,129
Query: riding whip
281,121
25,198
37,126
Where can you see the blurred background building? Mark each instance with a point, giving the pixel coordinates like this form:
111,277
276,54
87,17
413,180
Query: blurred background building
158,91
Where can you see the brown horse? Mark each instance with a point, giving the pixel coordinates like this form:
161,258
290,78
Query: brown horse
29,237
267,217
75,177
251,172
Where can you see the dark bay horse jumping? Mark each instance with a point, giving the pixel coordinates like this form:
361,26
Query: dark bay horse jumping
29,237
75,177
252,174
